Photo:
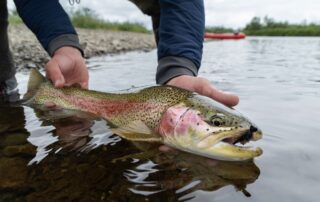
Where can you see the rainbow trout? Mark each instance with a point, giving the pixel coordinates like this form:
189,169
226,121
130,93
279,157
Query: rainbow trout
175,117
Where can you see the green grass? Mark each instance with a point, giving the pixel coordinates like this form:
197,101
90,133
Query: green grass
14,18
86,18
285,31
270,27
219,29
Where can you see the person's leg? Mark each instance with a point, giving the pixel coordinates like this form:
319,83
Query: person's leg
8,83
7,69
151,8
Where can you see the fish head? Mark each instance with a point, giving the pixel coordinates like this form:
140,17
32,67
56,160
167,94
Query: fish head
207,128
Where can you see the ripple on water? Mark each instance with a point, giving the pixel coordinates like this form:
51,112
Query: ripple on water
42,153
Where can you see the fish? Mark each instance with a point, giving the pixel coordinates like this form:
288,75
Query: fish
163,114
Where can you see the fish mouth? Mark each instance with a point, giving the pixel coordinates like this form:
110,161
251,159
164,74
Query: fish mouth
231,145
244,136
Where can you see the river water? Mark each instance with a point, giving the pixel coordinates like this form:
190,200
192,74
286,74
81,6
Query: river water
69,156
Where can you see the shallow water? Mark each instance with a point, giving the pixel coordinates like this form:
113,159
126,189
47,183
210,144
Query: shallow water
68,156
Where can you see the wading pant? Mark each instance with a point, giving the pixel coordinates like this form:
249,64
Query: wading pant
7,69
151,8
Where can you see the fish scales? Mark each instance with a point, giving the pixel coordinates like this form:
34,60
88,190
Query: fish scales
173,116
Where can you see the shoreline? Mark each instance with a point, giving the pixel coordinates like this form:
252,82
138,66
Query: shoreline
28,53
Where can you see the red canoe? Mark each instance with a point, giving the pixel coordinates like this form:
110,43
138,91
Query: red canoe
209,35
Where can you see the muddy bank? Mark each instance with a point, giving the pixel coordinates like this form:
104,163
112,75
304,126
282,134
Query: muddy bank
27,51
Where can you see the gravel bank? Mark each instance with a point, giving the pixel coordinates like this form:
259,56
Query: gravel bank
27,51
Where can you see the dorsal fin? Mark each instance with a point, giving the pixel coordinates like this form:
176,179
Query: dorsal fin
35,81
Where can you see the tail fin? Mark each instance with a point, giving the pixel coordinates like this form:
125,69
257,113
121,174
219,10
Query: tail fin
35,81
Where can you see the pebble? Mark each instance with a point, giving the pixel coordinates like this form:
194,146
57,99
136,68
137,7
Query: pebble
28,53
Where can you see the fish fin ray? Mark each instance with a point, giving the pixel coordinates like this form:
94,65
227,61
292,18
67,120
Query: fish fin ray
137,126
135,136
136,131
35,81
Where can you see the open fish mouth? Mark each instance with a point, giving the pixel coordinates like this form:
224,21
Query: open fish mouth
231,145
251,134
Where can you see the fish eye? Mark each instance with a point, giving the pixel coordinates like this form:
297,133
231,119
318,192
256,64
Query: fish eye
216,121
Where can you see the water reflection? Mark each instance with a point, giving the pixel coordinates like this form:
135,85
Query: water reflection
79,159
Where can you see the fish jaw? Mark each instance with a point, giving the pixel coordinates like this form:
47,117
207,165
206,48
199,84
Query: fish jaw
184,128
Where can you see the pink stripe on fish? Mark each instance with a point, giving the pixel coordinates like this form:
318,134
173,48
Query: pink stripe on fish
106,108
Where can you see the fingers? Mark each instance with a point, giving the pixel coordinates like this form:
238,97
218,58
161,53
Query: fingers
225,98
52,106
205,88
54,74
67,68
84,85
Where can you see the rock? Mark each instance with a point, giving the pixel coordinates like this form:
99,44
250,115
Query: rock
28,53
32,65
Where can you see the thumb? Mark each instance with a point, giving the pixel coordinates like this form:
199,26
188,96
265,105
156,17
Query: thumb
54,74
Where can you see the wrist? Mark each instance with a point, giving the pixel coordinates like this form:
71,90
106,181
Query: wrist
68,50
173,81
62,41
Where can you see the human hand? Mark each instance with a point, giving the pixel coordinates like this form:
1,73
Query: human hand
67,67
204,87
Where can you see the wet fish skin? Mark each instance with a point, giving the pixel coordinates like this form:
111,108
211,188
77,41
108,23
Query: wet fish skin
176,117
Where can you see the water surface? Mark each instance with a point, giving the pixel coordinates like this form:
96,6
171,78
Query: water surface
69,156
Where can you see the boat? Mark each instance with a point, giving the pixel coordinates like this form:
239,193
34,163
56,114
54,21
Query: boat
209,35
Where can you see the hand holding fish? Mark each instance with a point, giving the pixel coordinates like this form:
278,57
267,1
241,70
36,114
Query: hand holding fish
204,87
67,67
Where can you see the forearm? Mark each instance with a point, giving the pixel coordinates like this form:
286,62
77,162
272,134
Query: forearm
181,34
49,22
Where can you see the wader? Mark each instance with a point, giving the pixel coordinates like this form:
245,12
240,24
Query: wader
7,69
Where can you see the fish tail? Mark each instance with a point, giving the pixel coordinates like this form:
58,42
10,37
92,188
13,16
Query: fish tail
35,81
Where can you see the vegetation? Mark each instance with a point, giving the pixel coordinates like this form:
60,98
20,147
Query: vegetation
14,18
86,18
269,27
220,29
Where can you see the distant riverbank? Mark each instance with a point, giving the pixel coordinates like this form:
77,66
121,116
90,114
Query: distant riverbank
270,27
27,51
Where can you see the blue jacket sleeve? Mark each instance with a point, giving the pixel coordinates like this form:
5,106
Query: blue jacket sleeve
181,34
49,22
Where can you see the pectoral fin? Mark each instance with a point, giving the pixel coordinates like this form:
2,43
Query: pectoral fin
136,131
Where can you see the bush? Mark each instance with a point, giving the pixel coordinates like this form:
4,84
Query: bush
270,27
86,18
